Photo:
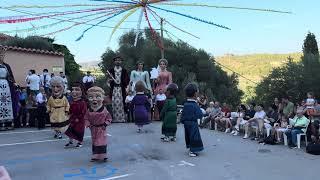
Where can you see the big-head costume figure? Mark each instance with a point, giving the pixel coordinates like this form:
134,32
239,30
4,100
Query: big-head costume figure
118,84
58,107
97,119
78,108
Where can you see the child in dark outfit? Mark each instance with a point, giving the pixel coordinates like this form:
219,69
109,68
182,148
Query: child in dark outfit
190,114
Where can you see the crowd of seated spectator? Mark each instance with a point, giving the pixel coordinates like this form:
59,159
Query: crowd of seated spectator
280,118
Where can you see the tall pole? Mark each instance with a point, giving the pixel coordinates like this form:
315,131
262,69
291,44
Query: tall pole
162,46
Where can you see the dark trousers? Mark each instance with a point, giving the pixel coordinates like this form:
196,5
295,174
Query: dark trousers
292,136
130,114
41,116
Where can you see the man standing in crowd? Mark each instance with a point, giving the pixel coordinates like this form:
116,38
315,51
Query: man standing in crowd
88,81
118,81
45,80
65,81
34,83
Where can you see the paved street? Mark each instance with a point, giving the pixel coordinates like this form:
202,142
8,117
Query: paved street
29,154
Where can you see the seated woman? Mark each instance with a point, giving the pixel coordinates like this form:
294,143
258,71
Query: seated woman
258,119
243,117
224,118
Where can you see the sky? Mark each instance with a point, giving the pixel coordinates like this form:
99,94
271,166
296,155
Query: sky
251,31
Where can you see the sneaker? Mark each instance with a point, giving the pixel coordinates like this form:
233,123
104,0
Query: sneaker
79,145
166,139
59,136
236,133
162,138
245,136
227,130
94,159
192,154
68,144
174,139
232,132
55,136
139,131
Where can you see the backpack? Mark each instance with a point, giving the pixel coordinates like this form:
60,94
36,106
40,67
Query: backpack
270,140
313,149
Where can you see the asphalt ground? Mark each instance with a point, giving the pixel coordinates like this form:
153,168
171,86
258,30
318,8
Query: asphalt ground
30,154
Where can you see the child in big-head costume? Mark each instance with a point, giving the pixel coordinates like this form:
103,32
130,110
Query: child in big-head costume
58,107
97,119
78,109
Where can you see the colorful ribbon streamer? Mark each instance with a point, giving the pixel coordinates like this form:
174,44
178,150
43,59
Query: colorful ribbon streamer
5,21
55,6
224,7
79,23
126,2
138,28
191,17
153,12
154,34
52,24
122,20
85,31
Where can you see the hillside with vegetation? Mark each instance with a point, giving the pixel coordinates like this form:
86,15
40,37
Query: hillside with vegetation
253,68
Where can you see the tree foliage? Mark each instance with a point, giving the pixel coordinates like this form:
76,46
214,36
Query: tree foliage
187,64
294,79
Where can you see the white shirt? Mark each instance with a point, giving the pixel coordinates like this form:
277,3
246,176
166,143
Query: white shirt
40,98
34,82
260,115
27,80
87,79
161,97
129,99
310,103
48,78
65,80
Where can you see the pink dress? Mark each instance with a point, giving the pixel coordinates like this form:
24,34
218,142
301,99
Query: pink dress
164,79
98,121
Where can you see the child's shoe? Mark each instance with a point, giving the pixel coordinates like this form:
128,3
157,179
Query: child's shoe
174,139
192,154
68,144
59,136
79,145
166,139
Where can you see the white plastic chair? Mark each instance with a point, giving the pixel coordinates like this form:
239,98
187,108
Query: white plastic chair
285,138
299,139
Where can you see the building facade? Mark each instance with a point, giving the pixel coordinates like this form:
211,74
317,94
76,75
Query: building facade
21,60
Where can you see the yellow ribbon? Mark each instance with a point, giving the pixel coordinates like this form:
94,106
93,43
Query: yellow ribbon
122,20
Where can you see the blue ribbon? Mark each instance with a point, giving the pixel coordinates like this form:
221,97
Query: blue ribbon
82,35
191,17
127,2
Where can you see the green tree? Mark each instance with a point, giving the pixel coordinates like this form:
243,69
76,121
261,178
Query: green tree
187,64
310,45
295,78
72,68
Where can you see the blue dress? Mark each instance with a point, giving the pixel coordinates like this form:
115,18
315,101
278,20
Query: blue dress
141,108
190,114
